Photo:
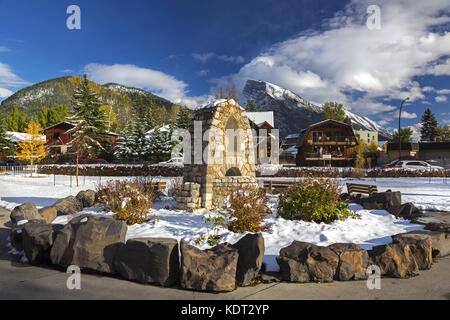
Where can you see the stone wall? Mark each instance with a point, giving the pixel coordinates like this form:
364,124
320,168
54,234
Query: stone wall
223,187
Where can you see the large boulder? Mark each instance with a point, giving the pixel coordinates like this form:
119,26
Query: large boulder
394,260
390,201
420,245
37,240
440,242
408,211
353,261
16,237
209,270
251,252
26,211
48,214
438,226
87,198
68,205
149,260
305,262
90,242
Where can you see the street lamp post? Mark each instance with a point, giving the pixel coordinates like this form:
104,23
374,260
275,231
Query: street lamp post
399,135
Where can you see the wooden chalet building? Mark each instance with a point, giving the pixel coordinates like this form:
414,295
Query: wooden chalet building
58,139
327,143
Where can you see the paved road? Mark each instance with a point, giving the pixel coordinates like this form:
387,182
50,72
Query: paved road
21,281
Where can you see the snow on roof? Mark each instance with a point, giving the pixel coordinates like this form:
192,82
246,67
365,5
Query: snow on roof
216,102
293,136
20,136
260,117
165,128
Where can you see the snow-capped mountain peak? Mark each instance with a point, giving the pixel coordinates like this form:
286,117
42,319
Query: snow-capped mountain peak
294,113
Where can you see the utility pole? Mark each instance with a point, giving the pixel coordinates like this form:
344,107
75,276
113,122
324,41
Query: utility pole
399,133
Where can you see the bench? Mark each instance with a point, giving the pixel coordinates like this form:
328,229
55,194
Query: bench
278,186
361,188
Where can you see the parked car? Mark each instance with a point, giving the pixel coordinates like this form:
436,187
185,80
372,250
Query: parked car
412,164
177,161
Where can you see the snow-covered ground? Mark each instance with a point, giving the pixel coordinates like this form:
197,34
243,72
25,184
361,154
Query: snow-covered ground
45,190
373,227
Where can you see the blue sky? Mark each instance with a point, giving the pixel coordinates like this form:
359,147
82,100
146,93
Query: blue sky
182,50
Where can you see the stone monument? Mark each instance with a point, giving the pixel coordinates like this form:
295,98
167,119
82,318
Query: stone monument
221,158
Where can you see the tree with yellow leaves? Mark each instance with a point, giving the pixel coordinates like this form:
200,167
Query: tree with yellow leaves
32,149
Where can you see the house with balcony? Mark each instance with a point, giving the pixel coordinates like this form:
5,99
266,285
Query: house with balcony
58,139
327,143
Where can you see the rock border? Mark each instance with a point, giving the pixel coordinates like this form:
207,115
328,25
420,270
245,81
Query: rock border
167,262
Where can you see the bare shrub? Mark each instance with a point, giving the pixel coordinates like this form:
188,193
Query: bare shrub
129,200
248,208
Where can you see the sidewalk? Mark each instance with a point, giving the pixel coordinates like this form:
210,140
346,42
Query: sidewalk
22,281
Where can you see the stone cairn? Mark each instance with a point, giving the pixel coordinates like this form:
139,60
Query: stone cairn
207,184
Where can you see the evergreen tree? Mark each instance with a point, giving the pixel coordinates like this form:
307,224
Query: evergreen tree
33,148
123,149
334,111
160,144
149,120
251,106
184,118
443,134
429,129
50,116
88,134
139,141
16,120
7,148
405,133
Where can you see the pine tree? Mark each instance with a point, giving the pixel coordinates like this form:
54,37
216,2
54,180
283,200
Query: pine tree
149,120
251,106
405,134
334,111
443,134
7,148
33,148
184,118
139,141
16,120
429,129
123,149
160,144
88,134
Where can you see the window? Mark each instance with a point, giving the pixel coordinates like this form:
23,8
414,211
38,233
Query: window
56,135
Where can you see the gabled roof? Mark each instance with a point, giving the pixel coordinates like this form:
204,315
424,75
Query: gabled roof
60,123
261,116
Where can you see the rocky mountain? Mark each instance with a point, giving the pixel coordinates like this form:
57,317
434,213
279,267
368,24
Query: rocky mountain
293,113
58,91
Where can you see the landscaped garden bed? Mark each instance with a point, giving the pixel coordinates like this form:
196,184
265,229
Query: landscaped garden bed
199,251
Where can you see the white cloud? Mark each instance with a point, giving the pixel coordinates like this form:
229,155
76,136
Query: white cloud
208,56
440,69
8,78
5,93
203,72
443,91
4,49
440,99
158,82
67,71
347,56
